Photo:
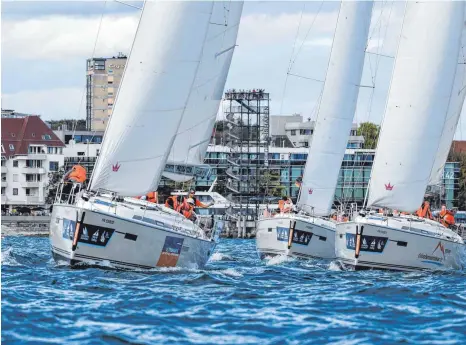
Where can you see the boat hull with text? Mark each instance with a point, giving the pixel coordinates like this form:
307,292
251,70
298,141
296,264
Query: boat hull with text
312,237
398,243
127,235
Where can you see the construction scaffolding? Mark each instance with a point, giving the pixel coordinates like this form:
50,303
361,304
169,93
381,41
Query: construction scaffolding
247,137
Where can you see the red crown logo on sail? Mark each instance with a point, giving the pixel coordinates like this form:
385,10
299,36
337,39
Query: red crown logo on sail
116,166
310,190
389,186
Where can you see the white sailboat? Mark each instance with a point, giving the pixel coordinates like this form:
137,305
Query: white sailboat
418,104
105,223
307,234
187,154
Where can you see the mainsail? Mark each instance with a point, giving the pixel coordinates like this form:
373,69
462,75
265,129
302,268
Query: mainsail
417,105
337,107
152,98
453,116
195,131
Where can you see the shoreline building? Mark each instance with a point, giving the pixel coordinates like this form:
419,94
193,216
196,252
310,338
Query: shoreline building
30,150
103,77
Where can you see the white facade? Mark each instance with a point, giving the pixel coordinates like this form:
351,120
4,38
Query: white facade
25,177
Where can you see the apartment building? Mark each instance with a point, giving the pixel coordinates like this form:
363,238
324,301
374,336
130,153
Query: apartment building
29,151
103,77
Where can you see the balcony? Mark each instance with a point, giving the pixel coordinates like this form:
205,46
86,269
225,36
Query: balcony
31,184
33,199
4,199
33,170
4,184
4,169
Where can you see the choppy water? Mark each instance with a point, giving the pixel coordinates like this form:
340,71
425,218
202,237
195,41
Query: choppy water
236,299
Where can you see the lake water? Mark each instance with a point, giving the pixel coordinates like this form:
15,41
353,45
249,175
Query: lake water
236,299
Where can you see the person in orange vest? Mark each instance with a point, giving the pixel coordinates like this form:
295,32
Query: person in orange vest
192,195
282,204
150,197
446,217
187,209
173,202
77,174
424,211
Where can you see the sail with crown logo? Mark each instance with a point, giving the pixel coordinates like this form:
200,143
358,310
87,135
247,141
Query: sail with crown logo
417,105
195,131
337,108
152,98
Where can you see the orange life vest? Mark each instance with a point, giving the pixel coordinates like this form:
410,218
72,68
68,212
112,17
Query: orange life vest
152,197
172,202
447,218
424,211
186,209
78,174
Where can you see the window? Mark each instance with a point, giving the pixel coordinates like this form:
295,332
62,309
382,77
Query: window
53,166
15,177
33,135
50,150
304,131
110,71
293,132
15,164
306,144
15,191
46,137
28,191
12,147
3,190
80,153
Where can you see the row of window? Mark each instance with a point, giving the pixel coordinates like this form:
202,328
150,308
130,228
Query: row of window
29,191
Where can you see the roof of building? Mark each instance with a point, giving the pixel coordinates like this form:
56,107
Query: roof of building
22,132
459,146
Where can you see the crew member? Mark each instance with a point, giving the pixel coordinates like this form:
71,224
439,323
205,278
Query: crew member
192,195
424,211
446,217
187,209
285,205
150,197
77,174
173,202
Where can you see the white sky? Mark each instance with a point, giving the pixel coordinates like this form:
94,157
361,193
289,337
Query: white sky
45,46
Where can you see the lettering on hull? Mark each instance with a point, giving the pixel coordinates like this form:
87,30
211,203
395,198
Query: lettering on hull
170,252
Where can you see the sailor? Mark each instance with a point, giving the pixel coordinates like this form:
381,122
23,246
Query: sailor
446,217
192,195
285,205
424,211
77,175
173,202
187,209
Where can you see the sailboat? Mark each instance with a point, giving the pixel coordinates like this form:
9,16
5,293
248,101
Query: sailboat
105,222
308,234
418,105
188,151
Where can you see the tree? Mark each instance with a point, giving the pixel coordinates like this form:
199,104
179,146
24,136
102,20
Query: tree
269,183
370,131
51,189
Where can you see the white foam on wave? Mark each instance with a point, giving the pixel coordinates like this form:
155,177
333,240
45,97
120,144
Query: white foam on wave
277,260
8,259
334,266
232,273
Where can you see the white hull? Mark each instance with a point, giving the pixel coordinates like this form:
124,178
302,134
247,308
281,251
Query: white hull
126,236
398,243
313,237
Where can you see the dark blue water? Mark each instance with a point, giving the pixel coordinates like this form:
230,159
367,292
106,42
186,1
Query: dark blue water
236,299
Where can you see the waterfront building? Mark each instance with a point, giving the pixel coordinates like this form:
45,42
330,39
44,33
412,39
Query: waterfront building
103,77
30,150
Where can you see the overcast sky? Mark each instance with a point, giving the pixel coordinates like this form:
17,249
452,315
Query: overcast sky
45,45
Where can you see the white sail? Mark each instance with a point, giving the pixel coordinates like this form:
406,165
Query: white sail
417,104
337,107
152,98
453,116
198,121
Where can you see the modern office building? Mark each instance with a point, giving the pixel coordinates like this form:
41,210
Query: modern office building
30,150
103,77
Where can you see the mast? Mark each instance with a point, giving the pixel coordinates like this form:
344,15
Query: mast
152,99
417,104
337,108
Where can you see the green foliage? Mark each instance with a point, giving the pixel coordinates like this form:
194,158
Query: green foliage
51,189
269,183
80,124
370,131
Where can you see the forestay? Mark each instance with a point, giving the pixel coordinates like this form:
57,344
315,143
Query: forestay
337,108
198,121
152,98
453,115
417,105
